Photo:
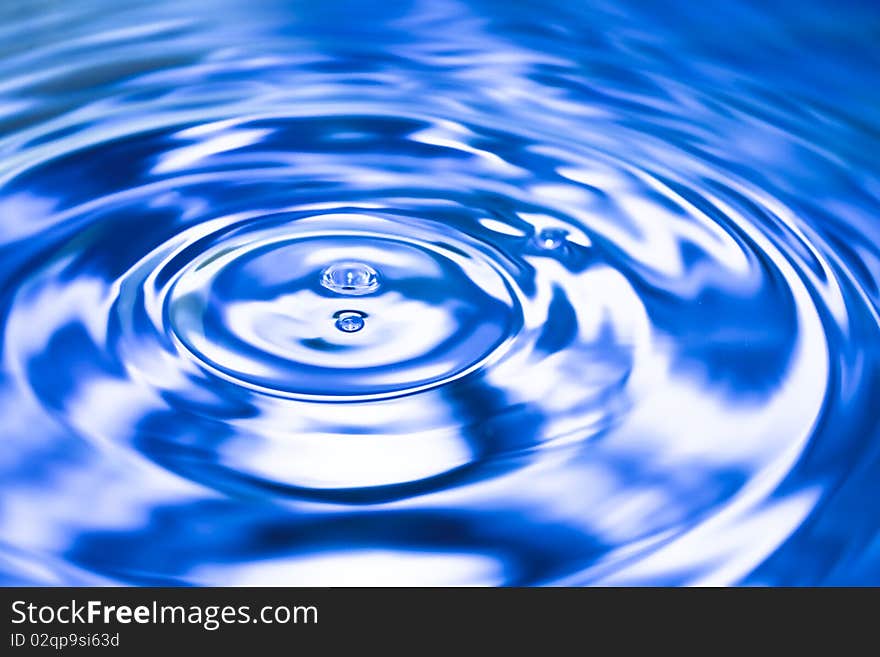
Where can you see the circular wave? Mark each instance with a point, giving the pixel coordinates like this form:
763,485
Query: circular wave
259,300
490,303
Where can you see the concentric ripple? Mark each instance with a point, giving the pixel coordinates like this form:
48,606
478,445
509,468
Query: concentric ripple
453,293
256,308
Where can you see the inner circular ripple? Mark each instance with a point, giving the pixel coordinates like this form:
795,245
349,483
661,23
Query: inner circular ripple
261,309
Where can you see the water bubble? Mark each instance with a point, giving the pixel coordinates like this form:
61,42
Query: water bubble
350,278
551,238
350,322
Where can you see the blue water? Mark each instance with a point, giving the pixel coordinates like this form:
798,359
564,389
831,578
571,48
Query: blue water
439,292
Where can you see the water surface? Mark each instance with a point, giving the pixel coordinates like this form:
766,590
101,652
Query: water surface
438,292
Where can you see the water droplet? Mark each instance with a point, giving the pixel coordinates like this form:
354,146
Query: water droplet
551,238
350,322
350,278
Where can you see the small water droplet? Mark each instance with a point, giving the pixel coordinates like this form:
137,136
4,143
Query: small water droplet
551,238
350,278
350,322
